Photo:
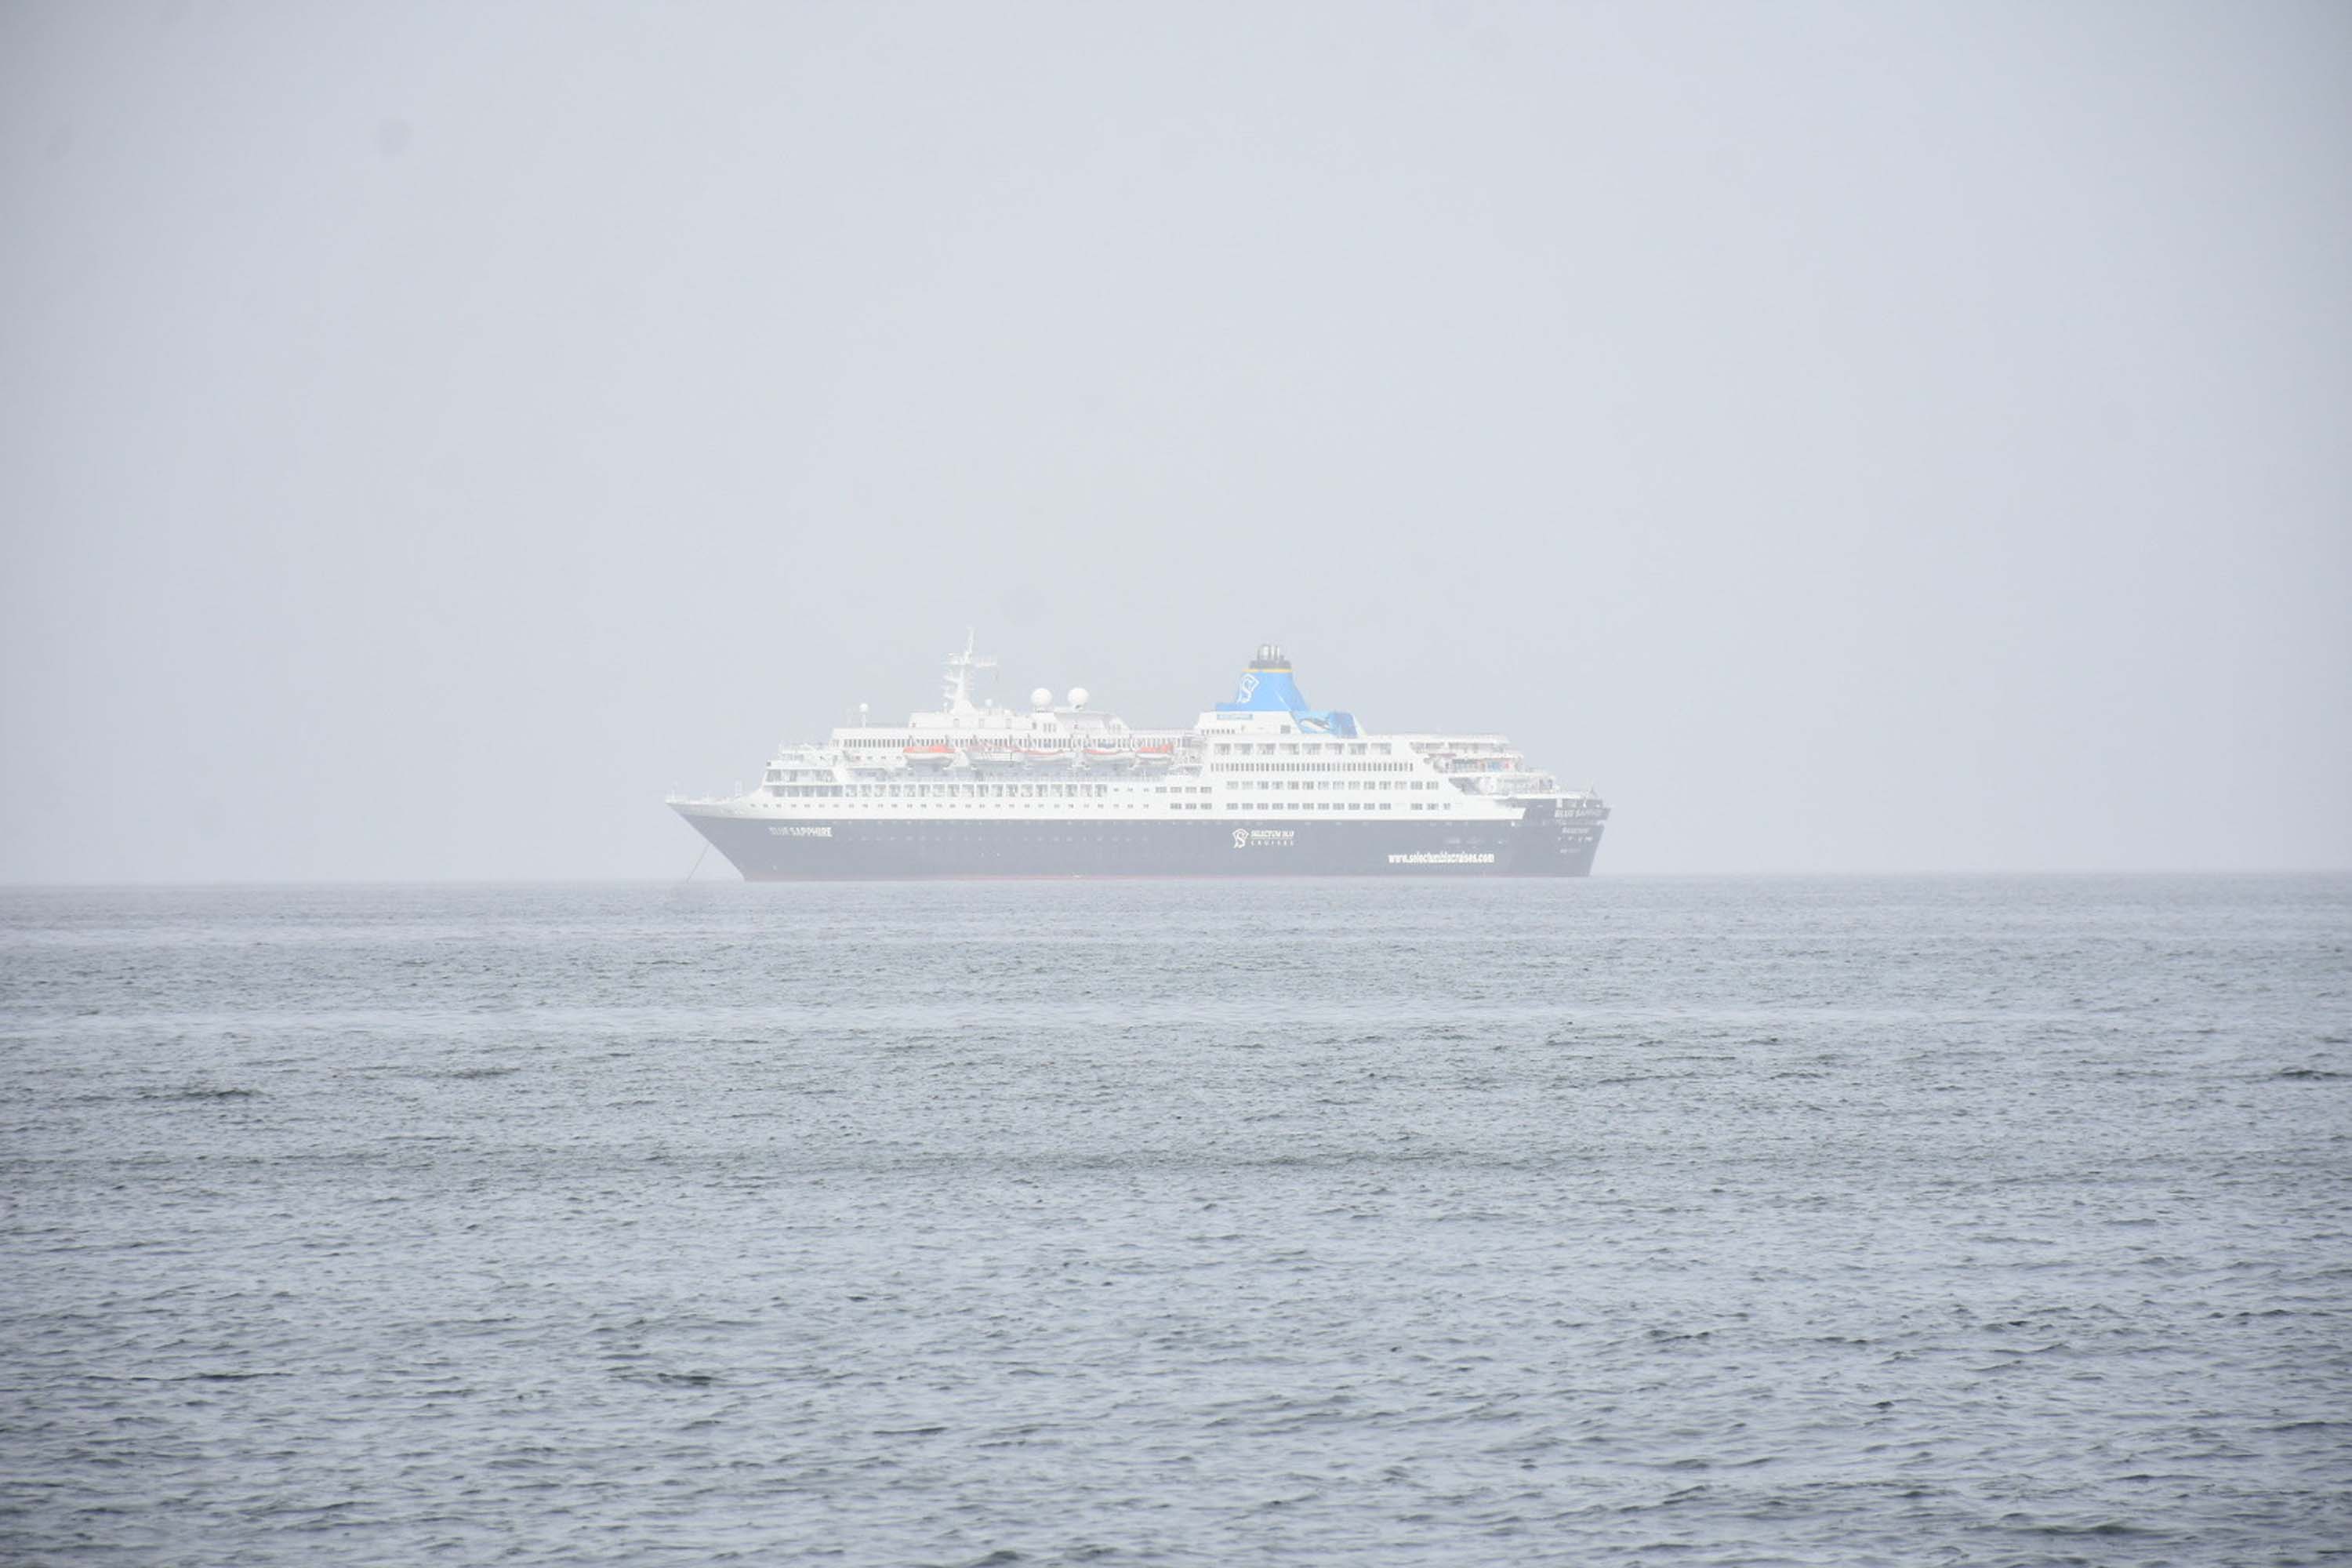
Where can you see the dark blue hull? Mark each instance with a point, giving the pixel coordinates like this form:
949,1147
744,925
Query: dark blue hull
852,849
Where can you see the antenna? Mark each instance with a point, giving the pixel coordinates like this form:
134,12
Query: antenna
959,676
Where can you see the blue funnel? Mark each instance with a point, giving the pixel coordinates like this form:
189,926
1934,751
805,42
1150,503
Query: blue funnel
1266,687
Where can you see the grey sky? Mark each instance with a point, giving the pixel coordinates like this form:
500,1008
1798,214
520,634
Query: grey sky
1853,437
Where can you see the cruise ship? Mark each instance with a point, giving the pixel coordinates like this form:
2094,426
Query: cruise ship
1262,785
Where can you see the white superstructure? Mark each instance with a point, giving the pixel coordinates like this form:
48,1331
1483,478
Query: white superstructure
1265,756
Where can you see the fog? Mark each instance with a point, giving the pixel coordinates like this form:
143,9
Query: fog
1853,437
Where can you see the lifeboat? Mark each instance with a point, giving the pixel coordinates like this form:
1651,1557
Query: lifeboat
1106,754
930,756
1154,756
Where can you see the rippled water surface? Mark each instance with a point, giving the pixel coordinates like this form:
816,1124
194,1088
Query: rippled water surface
1970,1221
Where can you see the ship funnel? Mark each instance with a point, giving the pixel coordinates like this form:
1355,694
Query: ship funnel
1267,687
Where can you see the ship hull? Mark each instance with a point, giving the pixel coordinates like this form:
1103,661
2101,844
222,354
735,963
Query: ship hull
854,850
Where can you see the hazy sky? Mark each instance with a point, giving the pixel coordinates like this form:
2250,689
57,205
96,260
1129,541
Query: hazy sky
1853,437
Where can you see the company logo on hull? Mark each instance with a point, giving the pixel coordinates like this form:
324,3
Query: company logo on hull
1264,837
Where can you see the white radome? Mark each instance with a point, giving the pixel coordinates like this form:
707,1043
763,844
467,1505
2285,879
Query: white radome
1077,695
1041,697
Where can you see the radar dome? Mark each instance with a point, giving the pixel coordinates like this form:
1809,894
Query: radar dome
1077,695
1041,697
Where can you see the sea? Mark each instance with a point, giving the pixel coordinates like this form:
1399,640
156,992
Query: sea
1898,1220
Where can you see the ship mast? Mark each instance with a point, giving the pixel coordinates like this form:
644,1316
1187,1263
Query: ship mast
958,678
